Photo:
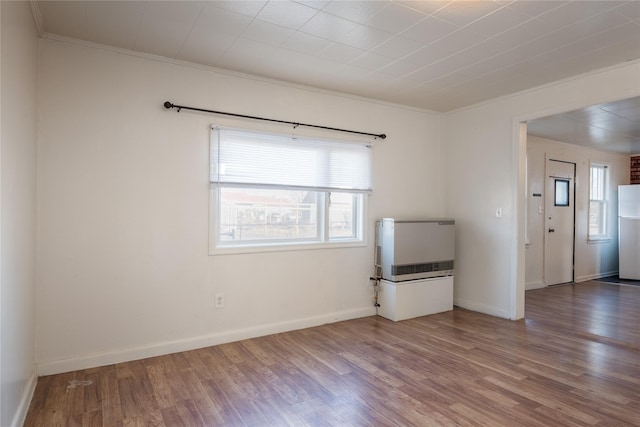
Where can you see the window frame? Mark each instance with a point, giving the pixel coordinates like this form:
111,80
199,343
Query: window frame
322,240
603,203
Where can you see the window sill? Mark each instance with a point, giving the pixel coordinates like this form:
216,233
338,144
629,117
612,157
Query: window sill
280,247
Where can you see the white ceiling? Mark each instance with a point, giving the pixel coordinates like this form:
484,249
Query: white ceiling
438,55
612,127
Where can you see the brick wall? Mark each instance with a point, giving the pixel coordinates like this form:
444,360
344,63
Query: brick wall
635,170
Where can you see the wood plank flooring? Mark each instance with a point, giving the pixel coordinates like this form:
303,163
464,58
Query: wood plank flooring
574,361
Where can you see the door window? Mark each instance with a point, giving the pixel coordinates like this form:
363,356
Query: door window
561,192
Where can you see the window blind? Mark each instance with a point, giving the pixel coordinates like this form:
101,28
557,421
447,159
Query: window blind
247,158
598,174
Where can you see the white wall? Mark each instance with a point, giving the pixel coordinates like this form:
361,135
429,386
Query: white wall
485,171
123,208
18,207
592,259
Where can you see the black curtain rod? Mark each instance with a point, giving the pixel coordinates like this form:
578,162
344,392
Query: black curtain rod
169,105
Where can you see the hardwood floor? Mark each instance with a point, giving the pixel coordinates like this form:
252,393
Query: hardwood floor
574,361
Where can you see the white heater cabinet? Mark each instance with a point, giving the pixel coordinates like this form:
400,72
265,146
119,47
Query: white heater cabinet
414,298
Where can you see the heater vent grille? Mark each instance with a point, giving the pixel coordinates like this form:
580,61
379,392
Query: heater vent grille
427,267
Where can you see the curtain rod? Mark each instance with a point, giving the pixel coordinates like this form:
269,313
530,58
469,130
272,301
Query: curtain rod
169,105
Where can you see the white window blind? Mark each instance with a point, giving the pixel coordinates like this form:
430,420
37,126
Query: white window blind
245,158
598,204
598,184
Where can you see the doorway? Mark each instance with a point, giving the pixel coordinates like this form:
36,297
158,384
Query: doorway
559,222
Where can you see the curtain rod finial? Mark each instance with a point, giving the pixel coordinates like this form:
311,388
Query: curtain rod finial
168,105
383,136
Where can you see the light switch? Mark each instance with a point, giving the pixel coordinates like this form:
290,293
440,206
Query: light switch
499,213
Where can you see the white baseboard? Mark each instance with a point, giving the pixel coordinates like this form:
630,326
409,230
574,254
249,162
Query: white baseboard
158,349
539,285
25,401
595,276
534,285
480,308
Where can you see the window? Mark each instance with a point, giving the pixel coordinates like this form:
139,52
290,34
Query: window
561,192
274,191
598,203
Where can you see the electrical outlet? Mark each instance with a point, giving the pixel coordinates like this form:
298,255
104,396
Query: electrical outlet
219,300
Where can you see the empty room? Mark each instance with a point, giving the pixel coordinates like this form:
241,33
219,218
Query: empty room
218,213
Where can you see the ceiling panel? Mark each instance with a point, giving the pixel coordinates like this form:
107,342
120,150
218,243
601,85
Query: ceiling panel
429,30
266,32
498,21
369,61
213,20
575,11
356,11
398,69
304,43
340,53
328,26
246,7
364,37
428,7
631,10
286,13
462,13
395,18
117,25
534,8
397,47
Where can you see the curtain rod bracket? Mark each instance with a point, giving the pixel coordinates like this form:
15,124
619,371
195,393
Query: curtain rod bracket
168,105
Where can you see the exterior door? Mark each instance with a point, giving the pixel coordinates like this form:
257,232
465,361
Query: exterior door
559,222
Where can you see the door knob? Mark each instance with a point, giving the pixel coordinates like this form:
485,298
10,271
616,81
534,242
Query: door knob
552,230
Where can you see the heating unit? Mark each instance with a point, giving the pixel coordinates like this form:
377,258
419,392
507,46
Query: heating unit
414,263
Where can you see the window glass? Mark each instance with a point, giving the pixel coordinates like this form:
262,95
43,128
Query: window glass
562,192
596,217
343,213
250,214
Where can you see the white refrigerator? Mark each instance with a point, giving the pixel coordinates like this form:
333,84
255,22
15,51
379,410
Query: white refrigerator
629,231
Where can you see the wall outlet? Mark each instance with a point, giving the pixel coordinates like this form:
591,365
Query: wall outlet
219,300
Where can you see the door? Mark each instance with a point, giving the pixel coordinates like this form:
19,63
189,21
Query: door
559,222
